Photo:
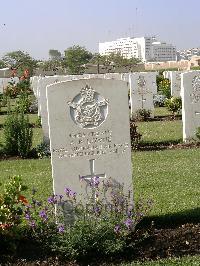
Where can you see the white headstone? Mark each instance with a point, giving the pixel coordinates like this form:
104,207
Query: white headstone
89,133
190,104
175,80
141,92
113,76
43,83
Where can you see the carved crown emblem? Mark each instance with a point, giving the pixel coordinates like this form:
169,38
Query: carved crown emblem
88,109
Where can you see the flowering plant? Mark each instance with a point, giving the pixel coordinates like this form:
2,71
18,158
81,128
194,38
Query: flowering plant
12,203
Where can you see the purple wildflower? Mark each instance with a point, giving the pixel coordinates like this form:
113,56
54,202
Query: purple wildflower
61,229
129,223
32,224
72,194
67,191
95,182
97,210
43,215
27,216
52,200
117,229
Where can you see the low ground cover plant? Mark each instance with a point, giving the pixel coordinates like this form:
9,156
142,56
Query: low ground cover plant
95,228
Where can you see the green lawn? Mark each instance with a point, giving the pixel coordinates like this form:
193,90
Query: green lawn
184,261
161,111
171,178
160,131
32,118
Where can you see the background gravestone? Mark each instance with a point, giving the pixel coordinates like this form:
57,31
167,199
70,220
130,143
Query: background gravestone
190,104
43,101
89,133
175,80
141,92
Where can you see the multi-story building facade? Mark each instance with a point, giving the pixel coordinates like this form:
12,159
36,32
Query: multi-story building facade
187,54
145,48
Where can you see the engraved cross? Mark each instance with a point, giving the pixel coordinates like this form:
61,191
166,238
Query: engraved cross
143,100
92,176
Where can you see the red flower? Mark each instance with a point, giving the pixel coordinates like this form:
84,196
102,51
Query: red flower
4,226
23,199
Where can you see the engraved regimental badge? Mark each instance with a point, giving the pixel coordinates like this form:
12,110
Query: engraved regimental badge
88,109
195,89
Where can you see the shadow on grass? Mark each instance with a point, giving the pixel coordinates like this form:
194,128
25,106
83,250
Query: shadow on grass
158,145
172,220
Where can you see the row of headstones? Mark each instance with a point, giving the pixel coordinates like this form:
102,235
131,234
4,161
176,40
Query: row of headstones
87,123
143,87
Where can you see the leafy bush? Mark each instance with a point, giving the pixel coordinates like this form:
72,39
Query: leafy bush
174,105
143,114
33,108
23,86
12,202
163,85
135,135
23,103
11,90
43,150
159,100
3,100
18,134
99,227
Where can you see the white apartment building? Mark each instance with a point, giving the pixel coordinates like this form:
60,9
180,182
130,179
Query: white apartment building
144,48
127,47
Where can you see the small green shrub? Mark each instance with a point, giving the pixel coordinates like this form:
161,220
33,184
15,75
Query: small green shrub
18,134
174,105
42,150
135,136
11,131
23,103
159,100
142,114
12,204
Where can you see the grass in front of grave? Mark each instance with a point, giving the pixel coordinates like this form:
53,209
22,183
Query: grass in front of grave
186,261
162,111
158,132
171,179
36,174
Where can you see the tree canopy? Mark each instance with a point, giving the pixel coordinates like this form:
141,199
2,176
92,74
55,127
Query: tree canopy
19,60
75,57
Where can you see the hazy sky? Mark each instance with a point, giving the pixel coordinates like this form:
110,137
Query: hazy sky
35,26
